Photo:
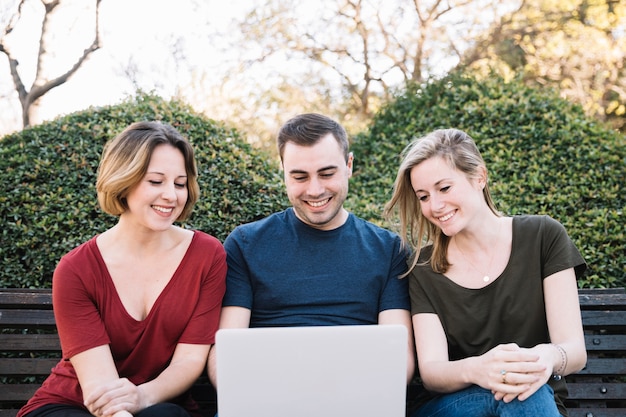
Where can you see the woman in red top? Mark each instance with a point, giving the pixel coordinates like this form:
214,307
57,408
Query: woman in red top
137,307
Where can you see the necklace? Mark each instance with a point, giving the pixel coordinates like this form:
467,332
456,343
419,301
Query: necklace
486,277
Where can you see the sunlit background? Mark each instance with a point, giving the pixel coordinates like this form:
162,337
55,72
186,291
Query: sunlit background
255,63
155,45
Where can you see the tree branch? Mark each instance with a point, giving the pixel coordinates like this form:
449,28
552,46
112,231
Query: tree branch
13,62
40,85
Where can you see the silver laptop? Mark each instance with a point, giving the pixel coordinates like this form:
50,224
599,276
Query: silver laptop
331,371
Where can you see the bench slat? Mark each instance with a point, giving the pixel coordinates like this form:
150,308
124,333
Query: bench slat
38,299
29,342
604,367
604,319
603,342
609,299
21,318
596,391
17,392
27,366
594,412
9,412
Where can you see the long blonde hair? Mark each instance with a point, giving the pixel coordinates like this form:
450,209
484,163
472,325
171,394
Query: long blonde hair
460,151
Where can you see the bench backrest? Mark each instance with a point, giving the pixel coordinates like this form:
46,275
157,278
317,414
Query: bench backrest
29,348
599,390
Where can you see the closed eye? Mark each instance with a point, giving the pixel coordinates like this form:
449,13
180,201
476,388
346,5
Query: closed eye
327,172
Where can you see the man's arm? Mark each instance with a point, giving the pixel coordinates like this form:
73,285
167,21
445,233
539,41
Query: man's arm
403,317
230,318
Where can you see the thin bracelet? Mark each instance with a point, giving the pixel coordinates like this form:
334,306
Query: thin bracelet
558,374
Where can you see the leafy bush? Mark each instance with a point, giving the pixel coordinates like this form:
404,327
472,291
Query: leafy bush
543,154
49,171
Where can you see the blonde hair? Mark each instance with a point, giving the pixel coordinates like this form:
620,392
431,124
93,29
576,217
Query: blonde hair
125,161
459,150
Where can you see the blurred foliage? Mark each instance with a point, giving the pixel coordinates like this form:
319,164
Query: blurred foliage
49,171
575,46
543,154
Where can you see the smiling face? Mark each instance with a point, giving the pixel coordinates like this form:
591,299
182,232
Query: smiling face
316,178
159,198
447,197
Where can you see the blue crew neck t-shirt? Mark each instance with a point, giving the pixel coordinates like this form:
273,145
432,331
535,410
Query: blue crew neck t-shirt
290,274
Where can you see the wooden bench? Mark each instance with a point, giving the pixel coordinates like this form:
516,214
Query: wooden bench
599,390
29,348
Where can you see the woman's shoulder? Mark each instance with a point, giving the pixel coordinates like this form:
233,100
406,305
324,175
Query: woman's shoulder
535,221
538,228
83,261
204,249
425,255
204,239
85,249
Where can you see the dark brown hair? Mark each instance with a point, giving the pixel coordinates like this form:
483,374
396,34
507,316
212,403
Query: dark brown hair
308,128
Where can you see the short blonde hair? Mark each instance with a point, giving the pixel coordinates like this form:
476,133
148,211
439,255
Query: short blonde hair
125,161
459,150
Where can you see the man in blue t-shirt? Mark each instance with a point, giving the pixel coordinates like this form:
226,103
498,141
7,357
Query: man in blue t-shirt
314,264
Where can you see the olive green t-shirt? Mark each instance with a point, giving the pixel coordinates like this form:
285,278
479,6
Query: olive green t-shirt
511,308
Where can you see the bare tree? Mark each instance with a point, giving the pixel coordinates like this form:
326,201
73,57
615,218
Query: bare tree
43,82
362,49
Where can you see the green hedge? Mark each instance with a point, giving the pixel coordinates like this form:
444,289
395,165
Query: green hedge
49,172
544,156
543,153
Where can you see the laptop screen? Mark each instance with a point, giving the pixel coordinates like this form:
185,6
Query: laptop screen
312,371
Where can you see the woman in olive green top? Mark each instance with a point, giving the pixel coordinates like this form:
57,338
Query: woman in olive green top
494,298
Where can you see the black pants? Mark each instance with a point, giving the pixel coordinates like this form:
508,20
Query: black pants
61,410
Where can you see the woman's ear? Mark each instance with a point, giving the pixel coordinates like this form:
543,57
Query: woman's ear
482,177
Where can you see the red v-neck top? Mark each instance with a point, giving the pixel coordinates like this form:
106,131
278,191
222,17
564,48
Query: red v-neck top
89,313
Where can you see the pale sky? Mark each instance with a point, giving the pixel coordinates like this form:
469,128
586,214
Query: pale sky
137,34
141,31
